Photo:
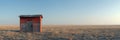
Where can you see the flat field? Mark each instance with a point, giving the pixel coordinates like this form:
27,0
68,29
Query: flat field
63,32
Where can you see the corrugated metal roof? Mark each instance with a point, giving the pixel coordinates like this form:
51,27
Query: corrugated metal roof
30,16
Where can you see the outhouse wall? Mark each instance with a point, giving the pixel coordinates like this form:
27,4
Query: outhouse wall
36,23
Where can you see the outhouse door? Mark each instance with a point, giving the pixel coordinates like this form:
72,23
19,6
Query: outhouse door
29,26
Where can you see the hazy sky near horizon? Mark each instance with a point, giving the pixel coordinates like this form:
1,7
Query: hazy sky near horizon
62,12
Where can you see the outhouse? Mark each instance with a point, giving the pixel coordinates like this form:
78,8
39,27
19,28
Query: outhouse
31,23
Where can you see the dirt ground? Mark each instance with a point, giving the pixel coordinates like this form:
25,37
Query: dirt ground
63,32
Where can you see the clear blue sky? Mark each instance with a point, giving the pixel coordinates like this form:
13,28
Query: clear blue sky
62,12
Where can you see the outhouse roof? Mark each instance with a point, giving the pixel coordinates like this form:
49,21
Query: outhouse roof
31,16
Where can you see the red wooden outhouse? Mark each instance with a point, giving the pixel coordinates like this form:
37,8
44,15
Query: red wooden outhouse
31,23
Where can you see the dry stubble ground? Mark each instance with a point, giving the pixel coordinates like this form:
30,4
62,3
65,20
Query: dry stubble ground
63,32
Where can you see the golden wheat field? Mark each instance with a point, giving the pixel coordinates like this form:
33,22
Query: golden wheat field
63,32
